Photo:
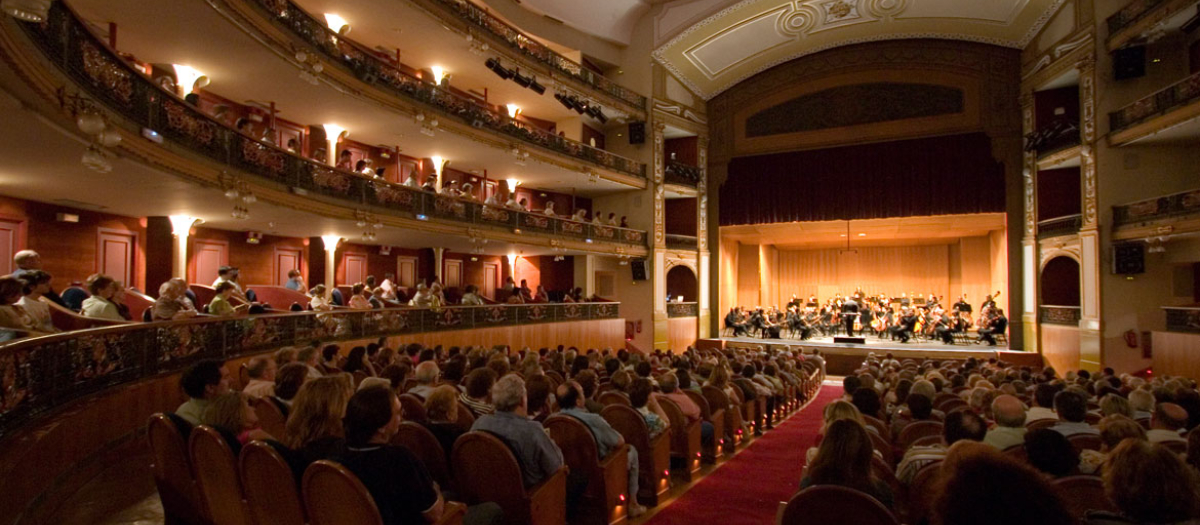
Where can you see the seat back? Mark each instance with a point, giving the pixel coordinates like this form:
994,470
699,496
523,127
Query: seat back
277,296
1178,447
921,491
578,445
270,417
414,408
423,444
204,294
952,404
1017,452
613,397
827,504
138,303
883,447
66,320
880,426
1083,493
1083,442
1040,423
717,399
466,419
916,430
698,399
173,471
630,424
217,476
270,486
334,496
487,470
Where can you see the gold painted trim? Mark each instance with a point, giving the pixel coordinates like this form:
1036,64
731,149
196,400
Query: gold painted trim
1054,159
1148,128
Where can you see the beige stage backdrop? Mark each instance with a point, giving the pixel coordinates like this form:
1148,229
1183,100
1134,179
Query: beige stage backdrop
762,275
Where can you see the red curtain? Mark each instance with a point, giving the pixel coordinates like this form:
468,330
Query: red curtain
954,174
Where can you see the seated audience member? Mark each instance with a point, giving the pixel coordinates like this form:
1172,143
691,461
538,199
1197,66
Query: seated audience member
866,400
229,274
917,407
541,296
668,384
310,356
402,488
12,316
1112,404
479,390
1071,408
962,425
1043,399
329,359
357,361
844,459
100,305
1113,430
288,381
411,181
598,219
28,261
835,411
231,414
426,376
441,413
261,370
1009,414
981,486
549,209
571,402
580,215
538,456
295,281
172,302
317,300
202,382
590,382
1142,403
539,391
358,301
1050,452
422,298
118,299
1168,420
37,285
314,426
471,296
221,306
1148,484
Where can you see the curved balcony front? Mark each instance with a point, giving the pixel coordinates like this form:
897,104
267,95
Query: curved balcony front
297,182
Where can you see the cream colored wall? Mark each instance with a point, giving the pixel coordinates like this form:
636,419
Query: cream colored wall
637,299
998,254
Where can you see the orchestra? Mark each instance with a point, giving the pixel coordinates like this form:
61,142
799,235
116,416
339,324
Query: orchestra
902,318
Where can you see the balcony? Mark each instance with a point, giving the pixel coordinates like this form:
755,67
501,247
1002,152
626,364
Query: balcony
522,46
675,310
1177,213
368,67
1184,319
1059,315
1173,105
1059,226
1053,139
682,242
1133,21
126,91
682,174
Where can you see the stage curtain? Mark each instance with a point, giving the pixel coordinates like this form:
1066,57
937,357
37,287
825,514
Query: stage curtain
932,176
893,270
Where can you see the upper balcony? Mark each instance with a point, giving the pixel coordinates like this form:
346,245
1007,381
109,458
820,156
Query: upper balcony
682,174
1139,18
1059,226
163,117
1161,216
290,28
1167,115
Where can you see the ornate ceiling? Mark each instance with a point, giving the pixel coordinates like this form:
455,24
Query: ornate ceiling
714,53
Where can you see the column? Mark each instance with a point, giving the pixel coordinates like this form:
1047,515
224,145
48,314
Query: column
331,244
1090,264
181,227
1029,247
659,271
703,302
160,253
437,264
585,273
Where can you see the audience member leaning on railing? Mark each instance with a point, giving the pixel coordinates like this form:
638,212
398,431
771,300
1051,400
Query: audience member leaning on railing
1131,432
353,419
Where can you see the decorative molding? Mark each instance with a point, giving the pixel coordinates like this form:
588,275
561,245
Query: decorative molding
1029,168
659,187
1087,154
680,111
702,198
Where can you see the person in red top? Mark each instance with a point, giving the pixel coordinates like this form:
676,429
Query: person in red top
669,386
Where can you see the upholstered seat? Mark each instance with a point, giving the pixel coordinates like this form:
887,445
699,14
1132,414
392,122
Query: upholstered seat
270,417
685,439
613,397
423,444
654,455
826,504
916,430
172,469
605,490
217,476
414,408
486,470
270,486
1083,493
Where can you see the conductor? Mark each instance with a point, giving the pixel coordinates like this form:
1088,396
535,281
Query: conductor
850,314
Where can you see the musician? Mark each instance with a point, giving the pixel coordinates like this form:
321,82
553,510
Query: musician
904,325
943,327
795,302
933,301
849,314
988,303
962,305
733,320
997,323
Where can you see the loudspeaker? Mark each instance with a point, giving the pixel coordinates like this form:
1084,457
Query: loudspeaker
1129,259
851,340
1129,62
637,132
638,267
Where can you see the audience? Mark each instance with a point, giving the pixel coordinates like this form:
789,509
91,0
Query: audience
844,458
982,487
262,371
202,382
1168,420
538,456
1071,408
288,381
426,376
314,426
1113,430
100,305
37,285
1051,452
27,261
231,414
571,402
959,426
1149,484
1009,413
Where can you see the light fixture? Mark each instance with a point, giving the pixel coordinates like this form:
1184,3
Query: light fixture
862,235
438,164
537,88
182,224
109,138
337,24
90,123
331,241
512,184
27,10
513,110
95,160
188,78
438,74
522,81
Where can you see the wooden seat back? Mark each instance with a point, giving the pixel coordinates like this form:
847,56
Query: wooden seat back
685,437
270,417
217,476
1083,493
1083,442
654,454
916,430
334,496
173,472
270,486
204,294
425,446
1017,452
138,303
921,492
716,418
613,397
606,480
884,431
825,504
66,320
414,408
1040,423
466,418
487,470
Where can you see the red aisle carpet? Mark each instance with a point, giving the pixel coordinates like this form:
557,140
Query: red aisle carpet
747,490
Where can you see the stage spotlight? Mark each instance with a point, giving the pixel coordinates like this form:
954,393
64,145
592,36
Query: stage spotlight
603,119
494,65
593,111
522,81
537,88
504,73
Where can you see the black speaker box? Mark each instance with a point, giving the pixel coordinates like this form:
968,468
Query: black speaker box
637,132
851,340
1129,259
638,267
1129,62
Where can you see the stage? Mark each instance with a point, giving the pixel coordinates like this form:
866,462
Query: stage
843,358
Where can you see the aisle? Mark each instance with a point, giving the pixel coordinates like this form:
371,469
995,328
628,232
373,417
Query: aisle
747,490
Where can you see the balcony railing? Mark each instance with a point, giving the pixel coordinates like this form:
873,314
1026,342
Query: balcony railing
1131,13
368,67
685,242
44,373
683,310
1059,226
1181,93
1183,319
1170,206
1053,137
125,90
680,173
533,49
1060,315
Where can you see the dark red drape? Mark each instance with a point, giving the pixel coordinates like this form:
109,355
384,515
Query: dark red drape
934,176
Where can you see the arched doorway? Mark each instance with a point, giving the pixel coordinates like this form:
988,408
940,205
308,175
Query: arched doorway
1060,282
682,282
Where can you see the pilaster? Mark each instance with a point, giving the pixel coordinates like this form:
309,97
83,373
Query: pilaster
1029,255
1090,341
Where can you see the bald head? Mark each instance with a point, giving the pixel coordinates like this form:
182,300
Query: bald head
570,395
1169,416
1008,411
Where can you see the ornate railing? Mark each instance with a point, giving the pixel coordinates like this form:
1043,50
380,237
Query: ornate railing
686,242
1130,14
1059,226
370,68
124,90
1176,205
1053,137
683,310
680,173
533,49
43,373
1183,319
1060,315
1181,93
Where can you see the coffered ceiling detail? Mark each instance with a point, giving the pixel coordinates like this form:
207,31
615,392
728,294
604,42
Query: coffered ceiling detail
753,35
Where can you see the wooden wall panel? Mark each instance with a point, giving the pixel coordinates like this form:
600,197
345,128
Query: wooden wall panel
747,275
893,270
681,216
608,333
1060,346
681,333
1176,354
254,261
